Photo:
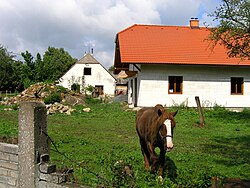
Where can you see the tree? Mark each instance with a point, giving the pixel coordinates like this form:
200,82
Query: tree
28,69
18,77
111,68
6,70
56,62
234,27
39,69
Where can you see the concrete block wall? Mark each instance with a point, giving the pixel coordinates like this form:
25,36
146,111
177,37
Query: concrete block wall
9,171
8,165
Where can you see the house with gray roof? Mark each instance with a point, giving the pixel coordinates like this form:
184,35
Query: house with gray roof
89,72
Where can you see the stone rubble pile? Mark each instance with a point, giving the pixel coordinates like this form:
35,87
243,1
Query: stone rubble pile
39,91
58,107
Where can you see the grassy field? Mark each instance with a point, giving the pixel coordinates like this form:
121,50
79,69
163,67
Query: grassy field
102,142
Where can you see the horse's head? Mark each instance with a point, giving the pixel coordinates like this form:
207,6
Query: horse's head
167,123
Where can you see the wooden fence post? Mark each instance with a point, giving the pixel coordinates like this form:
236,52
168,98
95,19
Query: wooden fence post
202,121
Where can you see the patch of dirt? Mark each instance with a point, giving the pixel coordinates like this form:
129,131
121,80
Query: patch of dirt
230,183
9,140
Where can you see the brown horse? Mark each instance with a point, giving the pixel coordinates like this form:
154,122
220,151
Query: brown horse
154,126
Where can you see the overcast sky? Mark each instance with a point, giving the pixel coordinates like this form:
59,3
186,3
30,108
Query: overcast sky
79,25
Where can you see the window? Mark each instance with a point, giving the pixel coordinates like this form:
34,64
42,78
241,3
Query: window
237,84
87,71
175,84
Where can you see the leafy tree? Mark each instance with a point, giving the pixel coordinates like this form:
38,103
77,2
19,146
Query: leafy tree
39,67
18,76
6,70
15,75
234,27
28,60
111,68
56,61
28,69
52,66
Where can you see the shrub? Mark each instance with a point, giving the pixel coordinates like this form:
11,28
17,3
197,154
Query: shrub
123,175
62,89
90,100
75,87
89,89
55,97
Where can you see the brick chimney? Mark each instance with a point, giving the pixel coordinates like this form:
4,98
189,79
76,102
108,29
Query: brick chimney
194,23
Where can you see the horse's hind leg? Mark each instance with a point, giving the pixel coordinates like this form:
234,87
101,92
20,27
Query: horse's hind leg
145,154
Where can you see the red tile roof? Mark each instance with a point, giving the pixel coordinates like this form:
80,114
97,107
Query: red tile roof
172,45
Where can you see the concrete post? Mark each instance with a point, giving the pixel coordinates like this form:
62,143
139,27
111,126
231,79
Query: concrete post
32,142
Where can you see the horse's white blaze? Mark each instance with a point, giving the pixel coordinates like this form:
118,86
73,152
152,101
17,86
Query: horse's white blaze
167,123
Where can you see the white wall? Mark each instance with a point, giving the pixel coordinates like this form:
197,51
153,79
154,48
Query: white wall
99,76
210,83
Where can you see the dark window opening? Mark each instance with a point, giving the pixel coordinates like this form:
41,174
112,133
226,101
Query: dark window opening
87,71
237,85
175,84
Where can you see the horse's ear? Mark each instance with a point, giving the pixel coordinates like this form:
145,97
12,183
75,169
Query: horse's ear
159,108
159,112
174,113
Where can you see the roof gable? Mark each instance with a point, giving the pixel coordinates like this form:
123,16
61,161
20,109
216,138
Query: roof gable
87,59
172,45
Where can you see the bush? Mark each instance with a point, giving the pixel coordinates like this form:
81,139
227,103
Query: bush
90,100
61,89
123,175
55,97
75,87
89,90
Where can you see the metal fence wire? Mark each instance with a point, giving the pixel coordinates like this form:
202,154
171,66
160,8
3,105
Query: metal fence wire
98,176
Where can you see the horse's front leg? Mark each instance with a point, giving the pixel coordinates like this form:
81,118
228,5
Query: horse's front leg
153,157
162,162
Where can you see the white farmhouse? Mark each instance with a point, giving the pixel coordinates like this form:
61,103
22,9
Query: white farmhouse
89,72
174,64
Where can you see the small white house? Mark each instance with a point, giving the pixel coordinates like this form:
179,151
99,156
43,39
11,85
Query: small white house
174,64
89,72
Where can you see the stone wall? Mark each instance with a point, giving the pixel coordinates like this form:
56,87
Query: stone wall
8,165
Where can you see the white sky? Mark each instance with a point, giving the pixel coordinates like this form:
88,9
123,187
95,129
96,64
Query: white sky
78,25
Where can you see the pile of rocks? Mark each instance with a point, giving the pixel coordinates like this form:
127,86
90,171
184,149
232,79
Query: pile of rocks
58,107
40,91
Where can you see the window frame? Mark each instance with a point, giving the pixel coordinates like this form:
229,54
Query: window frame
175,84
235,81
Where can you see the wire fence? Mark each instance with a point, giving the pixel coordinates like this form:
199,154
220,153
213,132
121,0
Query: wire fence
80,165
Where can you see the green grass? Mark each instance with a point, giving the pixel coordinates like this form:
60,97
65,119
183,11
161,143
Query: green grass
97,140
8,122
